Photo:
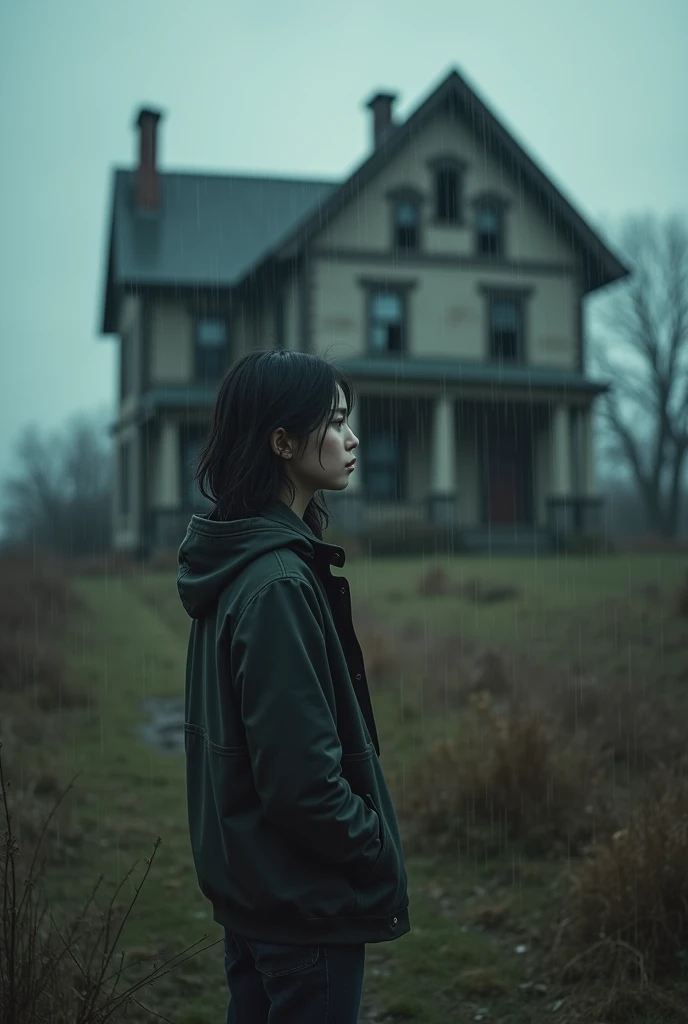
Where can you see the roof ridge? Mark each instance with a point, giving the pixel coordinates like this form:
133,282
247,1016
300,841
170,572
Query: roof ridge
240,176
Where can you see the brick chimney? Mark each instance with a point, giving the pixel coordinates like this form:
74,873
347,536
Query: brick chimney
381,106
148,192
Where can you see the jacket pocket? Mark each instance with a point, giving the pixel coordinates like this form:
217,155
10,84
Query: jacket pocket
382,831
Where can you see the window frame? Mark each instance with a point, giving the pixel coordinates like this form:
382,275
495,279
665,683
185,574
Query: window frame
198,318
399,466
500,204
405,194
519,295
372,287
442,163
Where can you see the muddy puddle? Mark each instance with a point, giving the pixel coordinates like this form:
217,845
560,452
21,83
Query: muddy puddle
163,728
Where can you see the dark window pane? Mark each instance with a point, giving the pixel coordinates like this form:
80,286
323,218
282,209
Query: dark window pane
505,328
211,333
211,348
382,466
447,194
406,225
386,322
489,230
382,483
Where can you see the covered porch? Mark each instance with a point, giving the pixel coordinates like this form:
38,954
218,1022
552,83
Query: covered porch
495,469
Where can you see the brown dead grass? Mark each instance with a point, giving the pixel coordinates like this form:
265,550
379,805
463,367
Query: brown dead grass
35,604
507,777
628,912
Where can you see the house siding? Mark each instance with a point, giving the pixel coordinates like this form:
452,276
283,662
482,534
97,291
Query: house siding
171,353
365,223
447,311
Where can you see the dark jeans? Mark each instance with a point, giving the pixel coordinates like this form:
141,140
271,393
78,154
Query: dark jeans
274,983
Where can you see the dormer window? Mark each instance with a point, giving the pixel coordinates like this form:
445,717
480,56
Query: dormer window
447,172
489,226
447,194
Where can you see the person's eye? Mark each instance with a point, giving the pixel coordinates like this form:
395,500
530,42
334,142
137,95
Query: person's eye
338,423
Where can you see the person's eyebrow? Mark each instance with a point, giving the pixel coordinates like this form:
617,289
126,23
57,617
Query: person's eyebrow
340,410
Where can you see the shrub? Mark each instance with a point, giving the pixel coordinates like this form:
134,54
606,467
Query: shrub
628,912
510,777
435,582
35,599
626,725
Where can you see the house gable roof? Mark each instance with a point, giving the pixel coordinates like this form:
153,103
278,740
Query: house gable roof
457,98
220,230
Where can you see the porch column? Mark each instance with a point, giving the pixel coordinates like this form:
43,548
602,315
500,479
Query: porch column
588,482
561,503
443,496
167,523
169,482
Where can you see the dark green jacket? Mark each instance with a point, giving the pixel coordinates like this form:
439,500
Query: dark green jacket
293,831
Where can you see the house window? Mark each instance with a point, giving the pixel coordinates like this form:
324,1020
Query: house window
211,348
382,466
124,478
387,321
447,194
488,227
406,225
506,328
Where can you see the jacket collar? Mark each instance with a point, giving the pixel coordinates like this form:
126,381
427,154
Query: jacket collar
322,552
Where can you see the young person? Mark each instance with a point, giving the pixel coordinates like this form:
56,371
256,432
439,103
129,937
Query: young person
293,832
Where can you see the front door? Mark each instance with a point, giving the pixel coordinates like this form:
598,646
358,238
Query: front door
505,483
507,470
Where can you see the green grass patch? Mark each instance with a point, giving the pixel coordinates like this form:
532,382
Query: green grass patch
480,927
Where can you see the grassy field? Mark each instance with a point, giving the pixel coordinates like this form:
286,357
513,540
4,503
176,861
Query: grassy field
479,926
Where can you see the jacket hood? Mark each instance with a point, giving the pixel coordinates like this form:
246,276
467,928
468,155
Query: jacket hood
214,552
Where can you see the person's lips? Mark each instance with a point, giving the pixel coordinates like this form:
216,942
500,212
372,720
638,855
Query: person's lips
350,465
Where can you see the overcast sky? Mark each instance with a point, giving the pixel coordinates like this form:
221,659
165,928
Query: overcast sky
595,91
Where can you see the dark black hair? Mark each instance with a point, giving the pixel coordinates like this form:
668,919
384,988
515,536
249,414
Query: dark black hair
265,389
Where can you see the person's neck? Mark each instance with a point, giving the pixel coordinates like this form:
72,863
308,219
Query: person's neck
299,505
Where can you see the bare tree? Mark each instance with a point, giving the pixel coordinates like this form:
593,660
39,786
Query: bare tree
61,497
642,345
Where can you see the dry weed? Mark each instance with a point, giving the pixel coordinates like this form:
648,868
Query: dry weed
628,912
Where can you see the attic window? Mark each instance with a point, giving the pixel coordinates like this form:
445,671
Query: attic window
447,194
406,225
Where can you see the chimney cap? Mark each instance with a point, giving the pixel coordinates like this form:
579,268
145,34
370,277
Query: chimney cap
387,97
147,112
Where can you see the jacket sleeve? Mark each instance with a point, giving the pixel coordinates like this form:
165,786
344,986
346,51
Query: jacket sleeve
280,666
